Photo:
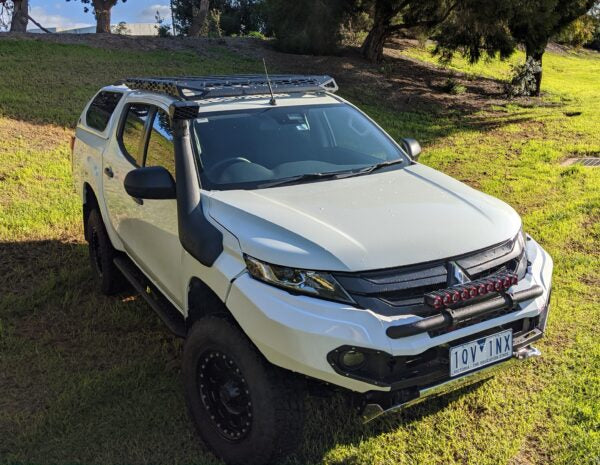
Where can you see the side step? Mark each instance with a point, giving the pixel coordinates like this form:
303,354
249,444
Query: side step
159,303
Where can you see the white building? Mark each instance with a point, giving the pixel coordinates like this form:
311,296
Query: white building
132,29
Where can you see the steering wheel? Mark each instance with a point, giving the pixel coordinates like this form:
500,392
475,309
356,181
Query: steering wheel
221,165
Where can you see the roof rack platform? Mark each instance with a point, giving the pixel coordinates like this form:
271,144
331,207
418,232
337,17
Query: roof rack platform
206,87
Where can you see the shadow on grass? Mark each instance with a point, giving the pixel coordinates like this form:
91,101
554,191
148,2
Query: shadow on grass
332,423
77,366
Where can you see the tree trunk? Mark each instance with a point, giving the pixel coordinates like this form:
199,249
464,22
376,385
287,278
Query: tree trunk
103,20
20,16
199,15
538,75
372,47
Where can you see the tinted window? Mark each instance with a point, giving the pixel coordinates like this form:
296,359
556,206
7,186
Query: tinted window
133,131
101,109
256,147
160,147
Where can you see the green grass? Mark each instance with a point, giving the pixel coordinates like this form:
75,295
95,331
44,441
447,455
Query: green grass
89,379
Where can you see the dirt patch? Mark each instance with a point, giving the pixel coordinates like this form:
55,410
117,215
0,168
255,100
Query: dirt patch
47,136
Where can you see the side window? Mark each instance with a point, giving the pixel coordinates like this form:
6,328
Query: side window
133,131
101,109
161,151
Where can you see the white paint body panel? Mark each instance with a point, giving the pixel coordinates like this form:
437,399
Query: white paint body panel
297,332
381,220
370,222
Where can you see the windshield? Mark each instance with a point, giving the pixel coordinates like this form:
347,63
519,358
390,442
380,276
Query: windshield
278,145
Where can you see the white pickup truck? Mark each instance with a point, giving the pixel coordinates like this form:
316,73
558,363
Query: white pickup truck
295,245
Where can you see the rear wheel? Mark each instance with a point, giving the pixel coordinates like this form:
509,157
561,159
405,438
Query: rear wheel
102,254
246,410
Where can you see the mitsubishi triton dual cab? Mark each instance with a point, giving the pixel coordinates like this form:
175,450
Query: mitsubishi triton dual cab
298,248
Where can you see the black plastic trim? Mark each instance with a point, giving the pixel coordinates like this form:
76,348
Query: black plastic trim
197,235
159,303
150,182
406,373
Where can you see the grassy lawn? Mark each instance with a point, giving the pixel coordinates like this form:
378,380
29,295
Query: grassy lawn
95,380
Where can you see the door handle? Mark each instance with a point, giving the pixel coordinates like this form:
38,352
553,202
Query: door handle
109,172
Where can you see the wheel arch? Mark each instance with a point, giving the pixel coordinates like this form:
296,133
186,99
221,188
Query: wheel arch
90,202
203,301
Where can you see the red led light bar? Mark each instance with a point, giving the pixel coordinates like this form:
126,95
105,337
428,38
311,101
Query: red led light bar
499,282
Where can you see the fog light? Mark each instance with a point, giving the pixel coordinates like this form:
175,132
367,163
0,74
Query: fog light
352,359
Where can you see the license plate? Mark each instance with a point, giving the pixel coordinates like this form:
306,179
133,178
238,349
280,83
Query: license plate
484,351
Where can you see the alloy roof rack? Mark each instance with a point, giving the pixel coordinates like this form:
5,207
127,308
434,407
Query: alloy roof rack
205,87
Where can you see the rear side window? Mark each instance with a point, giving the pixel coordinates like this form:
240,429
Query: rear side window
133,132
161,151
101,109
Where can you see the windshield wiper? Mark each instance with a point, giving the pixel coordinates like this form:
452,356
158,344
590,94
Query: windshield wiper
300,178
333,175
370,169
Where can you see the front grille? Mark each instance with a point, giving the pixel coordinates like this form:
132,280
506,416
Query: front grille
401,291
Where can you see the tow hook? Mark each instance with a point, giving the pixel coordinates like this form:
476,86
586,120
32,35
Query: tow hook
526,352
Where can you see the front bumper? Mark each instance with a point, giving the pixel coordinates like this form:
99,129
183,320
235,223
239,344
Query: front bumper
374,410
298,332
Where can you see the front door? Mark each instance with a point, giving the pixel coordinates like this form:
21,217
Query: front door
147,228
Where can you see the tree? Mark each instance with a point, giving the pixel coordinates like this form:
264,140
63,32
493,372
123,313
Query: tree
199,15
310,26
236,16
490,27
390,17
102,12
19,10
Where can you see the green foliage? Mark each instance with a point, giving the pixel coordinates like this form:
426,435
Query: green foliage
309,27
452,86
580,32
96,4
213,24
479,27
355,29
236,17
256,35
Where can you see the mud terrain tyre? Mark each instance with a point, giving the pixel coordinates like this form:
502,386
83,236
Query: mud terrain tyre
245,409
102,254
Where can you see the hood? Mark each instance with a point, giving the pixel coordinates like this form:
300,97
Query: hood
368,222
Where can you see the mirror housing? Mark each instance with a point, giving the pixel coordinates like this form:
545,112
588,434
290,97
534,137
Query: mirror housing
411,147
150,182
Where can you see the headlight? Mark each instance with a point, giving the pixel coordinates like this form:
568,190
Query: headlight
314,283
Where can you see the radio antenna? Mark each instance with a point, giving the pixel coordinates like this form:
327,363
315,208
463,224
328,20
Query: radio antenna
273,101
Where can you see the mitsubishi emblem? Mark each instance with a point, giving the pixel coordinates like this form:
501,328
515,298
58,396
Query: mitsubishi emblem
456,275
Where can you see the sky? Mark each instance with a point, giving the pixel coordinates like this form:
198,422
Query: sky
60,13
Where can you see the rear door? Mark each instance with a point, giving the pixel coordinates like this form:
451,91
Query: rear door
147,228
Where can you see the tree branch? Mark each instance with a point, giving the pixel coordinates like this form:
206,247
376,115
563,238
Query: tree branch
39,25
428,23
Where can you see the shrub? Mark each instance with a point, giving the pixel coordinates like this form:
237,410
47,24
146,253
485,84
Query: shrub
452,86
579,32
355,29
256,35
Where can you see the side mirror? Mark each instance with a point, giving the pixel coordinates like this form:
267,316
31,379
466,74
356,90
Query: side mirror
151,182
412,147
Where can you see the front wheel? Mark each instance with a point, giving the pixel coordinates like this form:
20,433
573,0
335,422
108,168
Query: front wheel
246,410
